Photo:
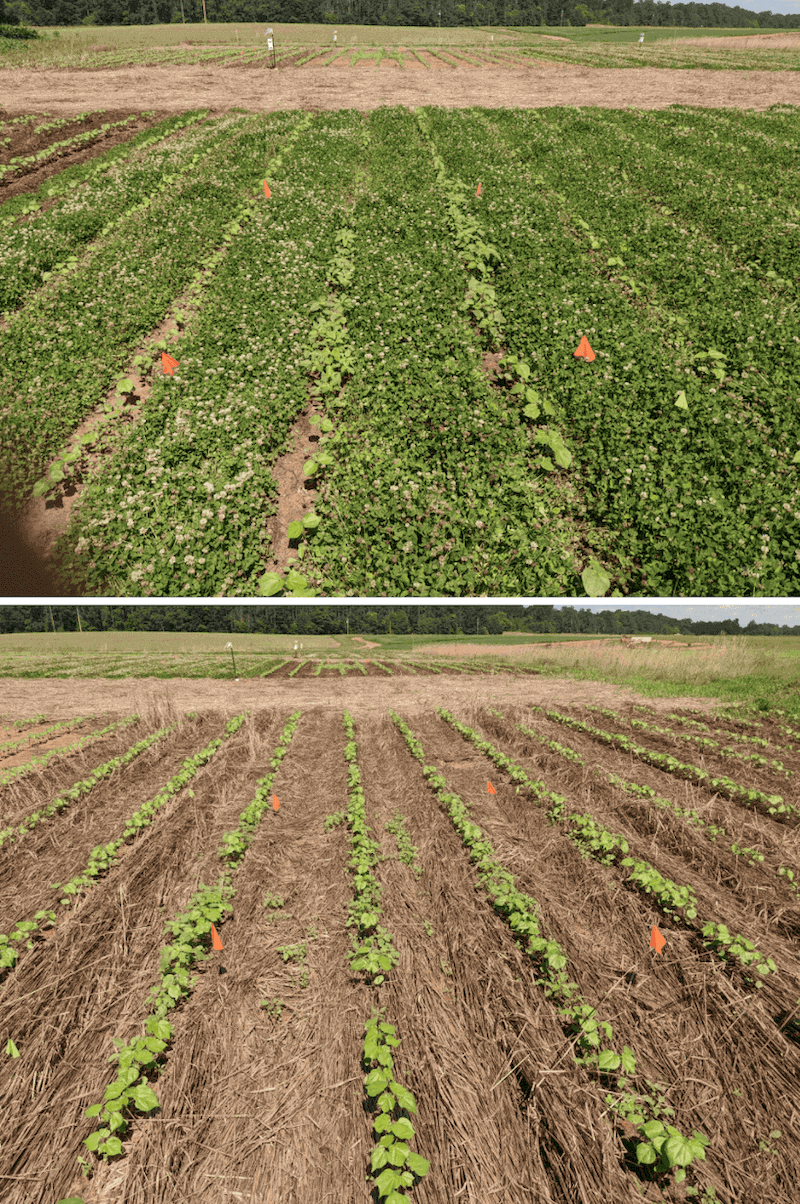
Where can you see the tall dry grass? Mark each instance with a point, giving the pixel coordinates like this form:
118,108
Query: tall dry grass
725,658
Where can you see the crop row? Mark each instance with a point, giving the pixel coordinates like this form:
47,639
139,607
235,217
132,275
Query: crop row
663,1146
32,738
608,848
74,337
19,165
103,857
40,762
84,786
773,803
704,742
393,1165
139,1061
711,831
677,471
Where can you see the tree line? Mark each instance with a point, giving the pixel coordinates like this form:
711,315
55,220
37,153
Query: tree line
25,14
363,620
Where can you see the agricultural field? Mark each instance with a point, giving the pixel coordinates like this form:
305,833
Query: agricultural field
417,350
516,947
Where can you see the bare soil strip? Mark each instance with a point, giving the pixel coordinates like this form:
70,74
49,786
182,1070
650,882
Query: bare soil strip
262,90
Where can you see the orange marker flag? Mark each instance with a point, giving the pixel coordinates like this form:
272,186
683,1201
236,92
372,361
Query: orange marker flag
478,193
215,941
276,802
657,941
266,189
490,788
584,351
168,364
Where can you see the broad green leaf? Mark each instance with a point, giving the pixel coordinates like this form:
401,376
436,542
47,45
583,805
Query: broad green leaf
375,1082
403,1129
595,579
420,1166
311,522
56,473
380,1157
295,530
404,1097
126,386
112,1146
269,584
645,1153
682,403
11,1049
42,487
71,1200
144,1097
398,1154
93,1111
309,468
388,1181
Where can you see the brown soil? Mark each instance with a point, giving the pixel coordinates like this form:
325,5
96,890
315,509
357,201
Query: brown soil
261,89
361,696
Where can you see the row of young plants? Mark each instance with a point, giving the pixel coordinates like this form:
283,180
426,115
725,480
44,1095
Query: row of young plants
678,903
704,727
657,462
394,1167
330,363
36,764
24,163
663,1146
82,176
772,803
703,741
712,832
212,430
104,857
70,340
139,1061
721,494
7,835
32,738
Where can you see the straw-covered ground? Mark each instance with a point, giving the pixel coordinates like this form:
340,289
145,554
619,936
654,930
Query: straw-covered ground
261,1088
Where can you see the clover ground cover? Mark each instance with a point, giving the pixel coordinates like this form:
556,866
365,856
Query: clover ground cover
674,264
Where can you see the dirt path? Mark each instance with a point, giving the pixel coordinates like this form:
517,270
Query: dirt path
365,696
364,87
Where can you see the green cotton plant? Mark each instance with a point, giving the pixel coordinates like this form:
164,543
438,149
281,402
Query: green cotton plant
393,1165
578,1018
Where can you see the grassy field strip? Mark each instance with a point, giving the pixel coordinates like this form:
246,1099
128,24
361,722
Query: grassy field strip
18,166
664,1147
438,522
677,903
83,787
14,746
37,763
773,804
138,275
705,742
140,1060
222,425
95,200
674,465
711,832
664,54
104,857
374,955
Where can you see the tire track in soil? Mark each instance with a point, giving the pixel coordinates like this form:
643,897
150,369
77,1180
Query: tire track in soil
690,1028
755,885
478,1128
252,1103
90,980
58,849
